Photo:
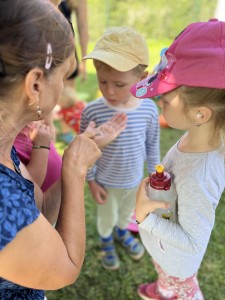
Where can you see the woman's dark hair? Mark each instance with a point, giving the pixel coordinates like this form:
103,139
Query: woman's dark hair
32,34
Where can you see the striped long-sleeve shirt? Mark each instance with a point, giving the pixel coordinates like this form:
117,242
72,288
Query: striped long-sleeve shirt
122,161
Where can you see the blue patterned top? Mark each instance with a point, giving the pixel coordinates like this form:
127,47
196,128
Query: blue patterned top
17,210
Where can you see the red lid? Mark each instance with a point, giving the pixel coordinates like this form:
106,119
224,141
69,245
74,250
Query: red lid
159,179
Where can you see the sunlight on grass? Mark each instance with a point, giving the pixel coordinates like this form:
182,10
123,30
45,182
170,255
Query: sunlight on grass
96,283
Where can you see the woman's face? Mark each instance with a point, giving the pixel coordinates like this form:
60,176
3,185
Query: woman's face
54,85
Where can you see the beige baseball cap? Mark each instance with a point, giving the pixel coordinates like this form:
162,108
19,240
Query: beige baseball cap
122,48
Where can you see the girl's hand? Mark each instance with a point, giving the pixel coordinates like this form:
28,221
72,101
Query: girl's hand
108,131
42,134
144,205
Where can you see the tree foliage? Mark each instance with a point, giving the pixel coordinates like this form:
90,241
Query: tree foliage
155,19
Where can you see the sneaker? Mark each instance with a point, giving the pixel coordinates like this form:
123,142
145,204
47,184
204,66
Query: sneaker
127,240
110,259
148,291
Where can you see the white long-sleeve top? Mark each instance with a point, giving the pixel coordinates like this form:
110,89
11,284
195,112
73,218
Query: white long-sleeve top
199,179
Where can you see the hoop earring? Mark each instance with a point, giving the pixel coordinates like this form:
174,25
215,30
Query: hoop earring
39,111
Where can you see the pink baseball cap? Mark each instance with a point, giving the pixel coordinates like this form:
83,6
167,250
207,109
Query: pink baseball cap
195,58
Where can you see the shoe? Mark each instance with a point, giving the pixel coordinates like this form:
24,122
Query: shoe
135,249
147,291
110,259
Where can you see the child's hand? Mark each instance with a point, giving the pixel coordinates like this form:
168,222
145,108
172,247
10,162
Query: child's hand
98,192
144,205
108,131
42,134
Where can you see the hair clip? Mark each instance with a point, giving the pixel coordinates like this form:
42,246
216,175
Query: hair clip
48,61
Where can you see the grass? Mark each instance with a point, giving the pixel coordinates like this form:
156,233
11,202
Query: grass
94,282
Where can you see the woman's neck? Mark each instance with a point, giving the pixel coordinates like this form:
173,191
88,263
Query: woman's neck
10,127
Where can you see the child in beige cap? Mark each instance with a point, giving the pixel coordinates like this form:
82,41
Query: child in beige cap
121,57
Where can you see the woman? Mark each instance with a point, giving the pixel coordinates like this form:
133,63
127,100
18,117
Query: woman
36,55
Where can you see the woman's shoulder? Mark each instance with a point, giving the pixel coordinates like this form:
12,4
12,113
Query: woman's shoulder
10,290
17,205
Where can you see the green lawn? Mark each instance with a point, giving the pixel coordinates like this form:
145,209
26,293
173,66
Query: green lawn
96,283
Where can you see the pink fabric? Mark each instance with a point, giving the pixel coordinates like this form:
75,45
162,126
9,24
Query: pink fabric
23,147
53,169
195,58
170,287
132,226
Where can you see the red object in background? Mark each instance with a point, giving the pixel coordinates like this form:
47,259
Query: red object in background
162,122
72,115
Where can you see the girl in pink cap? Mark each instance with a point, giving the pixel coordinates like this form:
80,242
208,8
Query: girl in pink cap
192,88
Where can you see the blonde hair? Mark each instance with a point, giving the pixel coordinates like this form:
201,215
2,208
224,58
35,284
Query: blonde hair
138,70
201,96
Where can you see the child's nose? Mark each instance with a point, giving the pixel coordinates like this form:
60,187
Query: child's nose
110,90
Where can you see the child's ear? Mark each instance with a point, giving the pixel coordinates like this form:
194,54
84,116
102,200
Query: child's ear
207,113
203,114
144,75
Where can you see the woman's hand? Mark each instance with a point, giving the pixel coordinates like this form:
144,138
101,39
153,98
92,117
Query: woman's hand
144,205
82,153
108,131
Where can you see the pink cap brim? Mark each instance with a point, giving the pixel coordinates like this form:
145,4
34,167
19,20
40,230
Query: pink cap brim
151,86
